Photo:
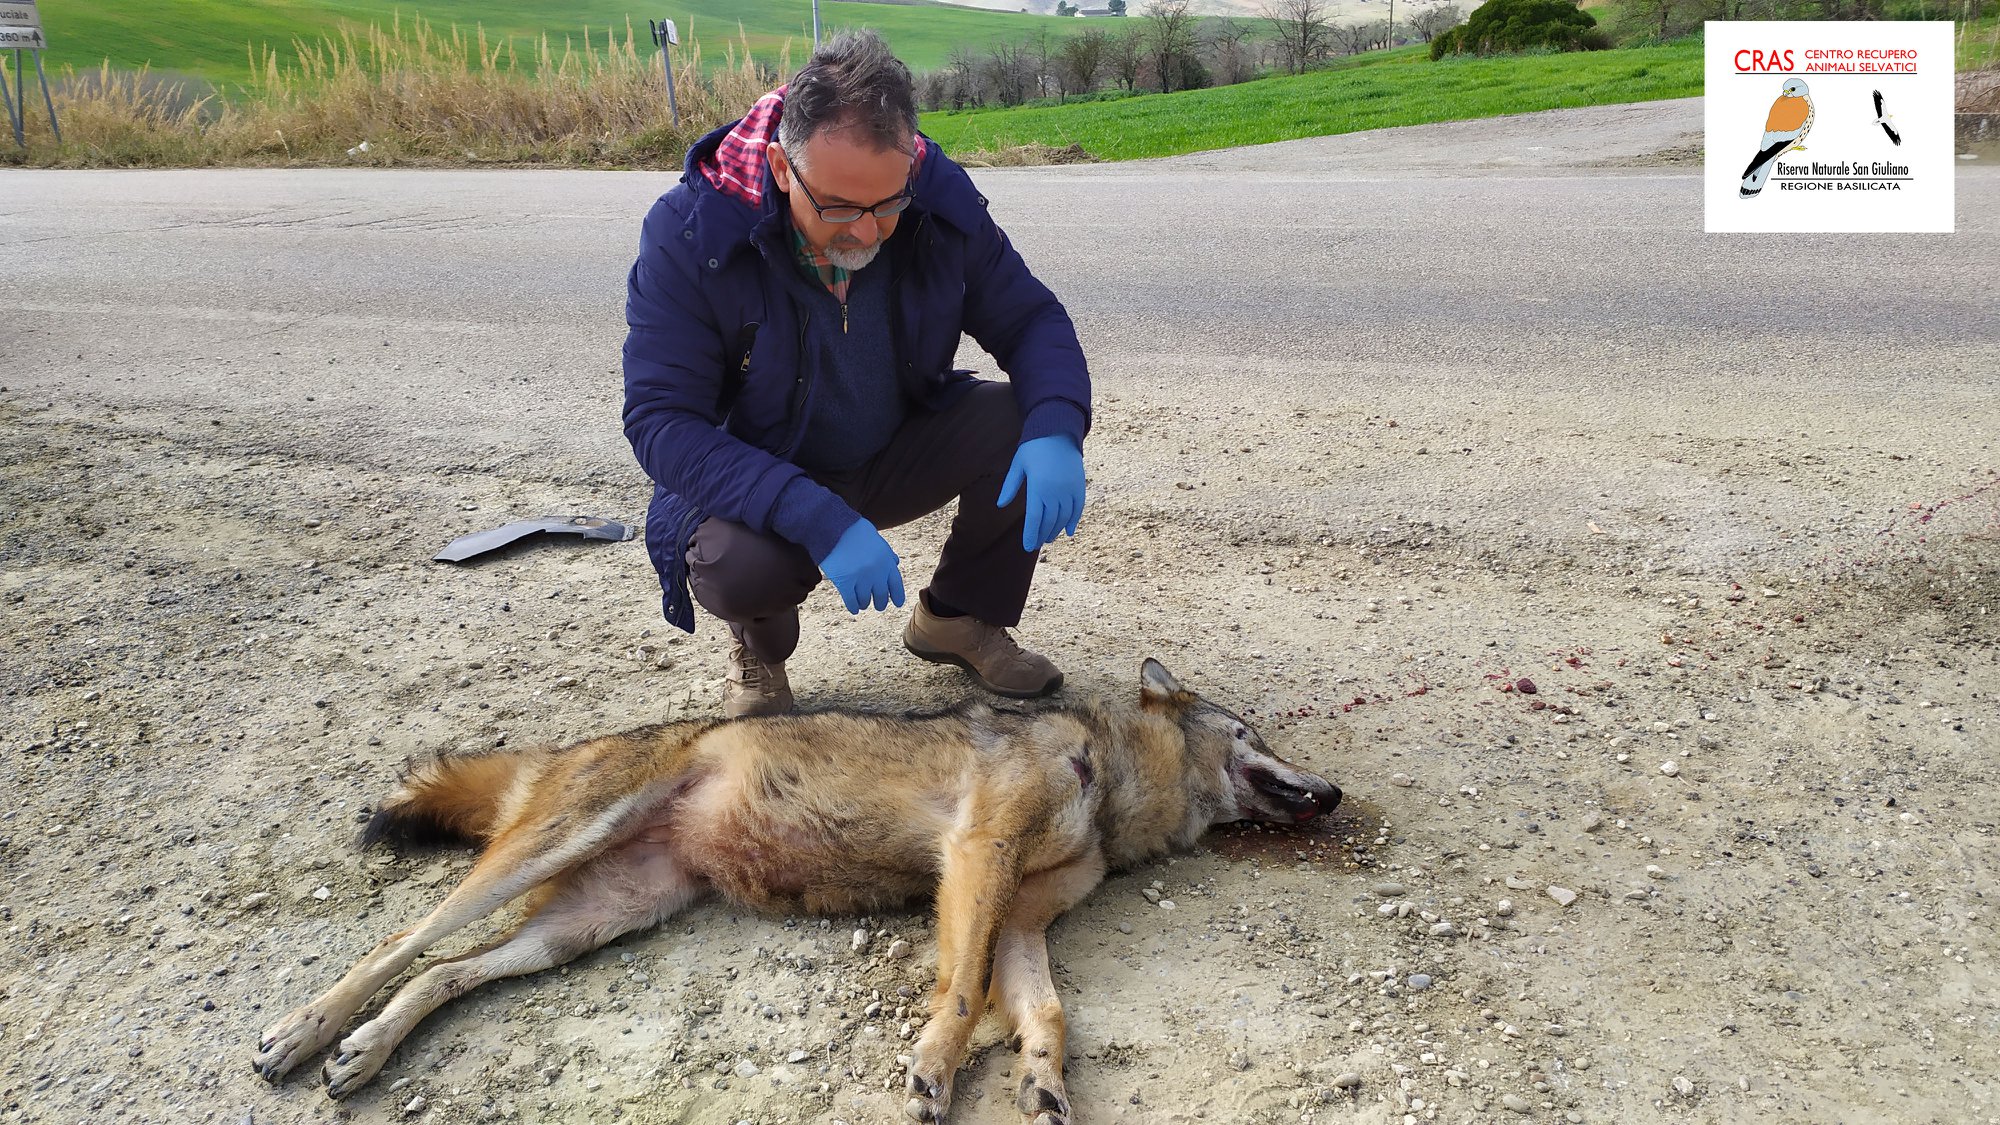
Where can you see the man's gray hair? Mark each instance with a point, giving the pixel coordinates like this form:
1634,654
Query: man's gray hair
852,83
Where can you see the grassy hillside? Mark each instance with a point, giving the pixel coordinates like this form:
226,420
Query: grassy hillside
211,38
1400,87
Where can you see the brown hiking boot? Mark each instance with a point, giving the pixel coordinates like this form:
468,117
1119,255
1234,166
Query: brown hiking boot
986,651
754,688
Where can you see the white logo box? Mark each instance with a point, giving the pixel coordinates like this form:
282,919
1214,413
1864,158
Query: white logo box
1851,177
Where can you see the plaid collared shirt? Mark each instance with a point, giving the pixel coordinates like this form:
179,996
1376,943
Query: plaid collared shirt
818,268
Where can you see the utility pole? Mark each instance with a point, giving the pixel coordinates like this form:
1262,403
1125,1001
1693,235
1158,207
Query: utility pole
815,25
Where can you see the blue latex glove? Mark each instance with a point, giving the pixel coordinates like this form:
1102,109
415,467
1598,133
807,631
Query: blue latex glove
864,569
1052,469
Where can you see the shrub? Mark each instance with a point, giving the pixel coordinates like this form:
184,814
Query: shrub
1520,25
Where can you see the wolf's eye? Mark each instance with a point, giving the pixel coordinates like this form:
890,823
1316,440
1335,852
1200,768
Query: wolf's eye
1241,734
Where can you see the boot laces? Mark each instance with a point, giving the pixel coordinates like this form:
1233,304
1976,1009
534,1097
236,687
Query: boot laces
750,672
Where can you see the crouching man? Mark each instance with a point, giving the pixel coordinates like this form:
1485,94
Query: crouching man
794,312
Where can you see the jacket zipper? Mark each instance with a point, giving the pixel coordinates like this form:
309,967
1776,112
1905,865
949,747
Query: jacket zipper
800,388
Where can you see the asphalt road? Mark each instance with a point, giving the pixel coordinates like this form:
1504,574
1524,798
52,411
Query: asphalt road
1446,272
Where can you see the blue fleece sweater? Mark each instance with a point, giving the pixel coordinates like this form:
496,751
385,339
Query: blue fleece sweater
851,411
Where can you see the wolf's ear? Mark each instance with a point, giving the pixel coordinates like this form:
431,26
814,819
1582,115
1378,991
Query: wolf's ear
1156,684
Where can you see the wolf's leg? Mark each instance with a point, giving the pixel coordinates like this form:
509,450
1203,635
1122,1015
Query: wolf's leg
1024,990
518,860
981,871
635,887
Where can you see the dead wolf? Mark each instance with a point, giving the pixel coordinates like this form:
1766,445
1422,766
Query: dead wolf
1006,818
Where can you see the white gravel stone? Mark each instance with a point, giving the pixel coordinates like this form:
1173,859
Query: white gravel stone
1504,908
1516,1102
860,940
899,949
1346,1081
1670,768
745,1069
1563,895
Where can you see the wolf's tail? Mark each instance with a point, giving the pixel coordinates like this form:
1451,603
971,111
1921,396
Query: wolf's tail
451,799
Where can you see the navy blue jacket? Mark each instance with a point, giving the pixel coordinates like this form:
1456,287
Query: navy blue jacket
718,383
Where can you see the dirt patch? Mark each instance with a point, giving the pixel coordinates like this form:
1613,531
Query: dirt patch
1728,861
1024,155
1685,151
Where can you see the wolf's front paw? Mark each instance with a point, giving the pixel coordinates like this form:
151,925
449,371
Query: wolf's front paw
358,1060
287,1043
1045,1106
929,1097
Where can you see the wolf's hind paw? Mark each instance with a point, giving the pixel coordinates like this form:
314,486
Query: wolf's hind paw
929,1098
357,1062
288,1042
1046,1106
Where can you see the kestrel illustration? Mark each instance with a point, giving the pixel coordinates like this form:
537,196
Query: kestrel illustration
1784,130
1883,120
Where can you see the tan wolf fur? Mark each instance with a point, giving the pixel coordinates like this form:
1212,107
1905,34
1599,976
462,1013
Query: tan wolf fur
1007,818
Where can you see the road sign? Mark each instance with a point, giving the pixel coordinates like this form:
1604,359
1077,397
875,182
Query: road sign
20,26
18,13
21,30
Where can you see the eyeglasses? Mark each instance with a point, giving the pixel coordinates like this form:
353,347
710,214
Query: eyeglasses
894,205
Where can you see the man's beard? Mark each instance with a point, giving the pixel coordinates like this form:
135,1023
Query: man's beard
852,259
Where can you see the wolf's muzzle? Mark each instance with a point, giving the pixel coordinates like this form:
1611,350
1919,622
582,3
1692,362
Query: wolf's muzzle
1301,797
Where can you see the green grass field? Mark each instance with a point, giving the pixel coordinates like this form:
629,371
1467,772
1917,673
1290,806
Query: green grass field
211,39
1400,87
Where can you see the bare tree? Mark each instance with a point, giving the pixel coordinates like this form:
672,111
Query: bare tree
1229,45
1169,33
1125,54
1665,17
1302,32
1080,59
1354,38
1041,51
1007,66
961,79
1436,21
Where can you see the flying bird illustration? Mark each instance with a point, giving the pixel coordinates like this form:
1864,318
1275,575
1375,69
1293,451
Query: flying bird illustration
1784,130
1883,120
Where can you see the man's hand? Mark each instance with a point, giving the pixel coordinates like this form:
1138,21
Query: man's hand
1052,469
864,569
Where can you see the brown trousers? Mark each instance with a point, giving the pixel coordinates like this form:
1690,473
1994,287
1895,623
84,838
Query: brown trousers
756,582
